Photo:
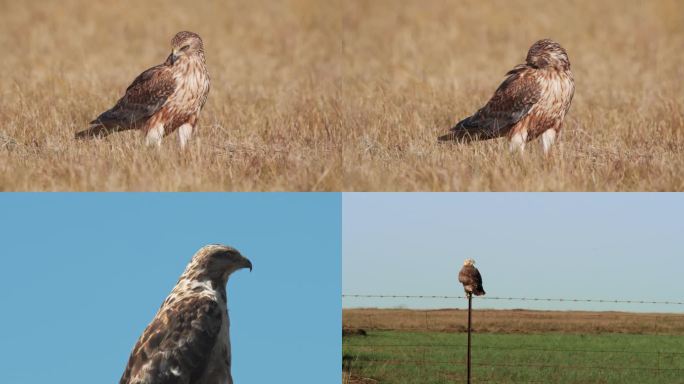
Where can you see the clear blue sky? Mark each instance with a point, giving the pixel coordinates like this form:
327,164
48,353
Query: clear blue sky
561,245
83,274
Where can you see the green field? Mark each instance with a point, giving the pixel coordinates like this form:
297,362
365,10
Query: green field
439,357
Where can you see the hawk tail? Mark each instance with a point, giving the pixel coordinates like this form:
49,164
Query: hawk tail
468,130
460,135
97,130
479,291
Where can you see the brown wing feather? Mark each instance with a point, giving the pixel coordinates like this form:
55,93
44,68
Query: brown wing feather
470,277
143,98
477,279
175,346
511,102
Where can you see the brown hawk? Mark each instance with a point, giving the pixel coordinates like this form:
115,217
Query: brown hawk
164,98
531,102
188,341
470,277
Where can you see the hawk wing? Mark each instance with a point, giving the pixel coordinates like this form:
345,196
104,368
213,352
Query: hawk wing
476,277
175,347
511,102
143,98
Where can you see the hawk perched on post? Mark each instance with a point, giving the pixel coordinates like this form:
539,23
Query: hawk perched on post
164,98
531,102
470,277
188,342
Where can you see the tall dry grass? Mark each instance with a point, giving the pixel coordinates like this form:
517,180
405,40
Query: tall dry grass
331,95
413,68
271,121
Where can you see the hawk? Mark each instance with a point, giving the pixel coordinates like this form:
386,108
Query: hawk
164,98
531,102
470,277
188,340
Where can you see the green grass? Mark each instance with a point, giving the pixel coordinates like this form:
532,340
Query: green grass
434,357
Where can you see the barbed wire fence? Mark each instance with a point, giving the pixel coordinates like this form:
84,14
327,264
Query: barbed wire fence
445,362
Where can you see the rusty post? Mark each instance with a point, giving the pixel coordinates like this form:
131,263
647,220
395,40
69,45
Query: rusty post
470,310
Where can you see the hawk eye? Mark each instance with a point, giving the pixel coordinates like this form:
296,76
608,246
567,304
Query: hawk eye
185,47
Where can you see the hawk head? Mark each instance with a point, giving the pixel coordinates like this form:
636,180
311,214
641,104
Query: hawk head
216,262
184,45
469,262
547,53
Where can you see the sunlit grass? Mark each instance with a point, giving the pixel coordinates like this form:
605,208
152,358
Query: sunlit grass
431,358
412,69
270,120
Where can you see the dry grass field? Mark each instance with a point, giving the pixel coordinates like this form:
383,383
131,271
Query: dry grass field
271,121
414,68
514,321
330,95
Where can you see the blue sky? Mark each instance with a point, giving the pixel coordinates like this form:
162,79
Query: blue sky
85,273
561,245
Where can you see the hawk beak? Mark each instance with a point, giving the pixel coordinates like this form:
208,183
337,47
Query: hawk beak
173,57
248,264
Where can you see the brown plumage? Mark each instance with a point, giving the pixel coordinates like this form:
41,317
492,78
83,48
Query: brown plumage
470,277
162,99
188,342
531,102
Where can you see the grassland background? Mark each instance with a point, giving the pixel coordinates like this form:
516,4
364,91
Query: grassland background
413,68
271,120
404,346
432,358
330,95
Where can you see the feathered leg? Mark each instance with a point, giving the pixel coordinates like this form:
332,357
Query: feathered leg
154,135
184,134
548,138
517,142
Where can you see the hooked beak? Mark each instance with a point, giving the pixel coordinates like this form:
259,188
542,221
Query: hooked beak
173,57
248,264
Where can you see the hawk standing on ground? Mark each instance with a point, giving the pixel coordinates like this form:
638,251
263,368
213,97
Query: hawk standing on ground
188,341
531,102
470,277
164,98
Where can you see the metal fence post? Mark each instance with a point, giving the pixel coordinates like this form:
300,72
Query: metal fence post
470,310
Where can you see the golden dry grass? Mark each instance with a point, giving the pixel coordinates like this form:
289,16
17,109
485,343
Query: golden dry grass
514,321
329,95
414,68
271,121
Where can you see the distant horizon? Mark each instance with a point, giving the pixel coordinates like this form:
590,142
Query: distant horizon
463,303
